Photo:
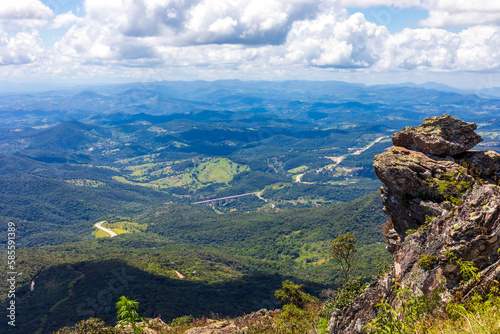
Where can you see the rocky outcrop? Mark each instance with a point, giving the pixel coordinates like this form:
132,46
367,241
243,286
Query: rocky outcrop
444,203
151,326
443,135
238,326
481,163
217,327
407,190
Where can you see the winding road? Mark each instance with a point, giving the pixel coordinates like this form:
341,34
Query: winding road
358,152
99,226
338,160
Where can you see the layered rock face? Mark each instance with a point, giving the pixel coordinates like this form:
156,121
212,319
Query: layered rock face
444,203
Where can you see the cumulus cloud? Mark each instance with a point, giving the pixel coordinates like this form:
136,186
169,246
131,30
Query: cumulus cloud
248,36
22,14
23,48
65,20
480,49
419,48
336,41
204,21
473,49
232,34
376,3
117,31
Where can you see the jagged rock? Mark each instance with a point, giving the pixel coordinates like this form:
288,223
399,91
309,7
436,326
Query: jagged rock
484,164
442,136
469,228
153,326
406,176
393,240
354,317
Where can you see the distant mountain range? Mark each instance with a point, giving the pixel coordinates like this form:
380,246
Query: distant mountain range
291,99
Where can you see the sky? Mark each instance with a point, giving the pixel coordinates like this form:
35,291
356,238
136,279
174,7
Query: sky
456,42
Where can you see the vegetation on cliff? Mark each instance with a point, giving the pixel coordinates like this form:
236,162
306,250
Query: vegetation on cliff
448,199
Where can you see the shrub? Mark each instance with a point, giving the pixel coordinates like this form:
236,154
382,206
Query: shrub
89,326
182,321
428,220
453,187
294,320
427,261
292,293
409,316
467,269
344,296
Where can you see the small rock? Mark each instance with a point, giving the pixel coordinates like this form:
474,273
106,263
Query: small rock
217,327
392,241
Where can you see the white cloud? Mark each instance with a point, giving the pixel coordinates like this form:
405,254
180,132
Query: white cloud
23,48
247,36
420,48
443,18
65,20
223,26
23,14
473,49
376,3
480,49
336,41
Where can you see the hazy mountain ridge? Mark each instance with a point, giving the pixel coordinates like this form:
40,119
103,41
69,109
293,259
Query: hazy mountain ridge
162,98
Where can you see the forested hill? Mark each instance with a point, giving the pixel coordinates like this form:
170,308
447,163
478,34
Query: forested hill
232,263
272,235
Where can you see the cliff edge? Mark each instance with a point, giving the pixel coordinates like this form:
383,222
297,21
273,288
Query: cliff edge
444,205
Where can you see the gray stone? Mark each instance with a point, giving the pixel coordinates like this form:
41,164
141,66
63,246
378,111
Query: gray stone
442,136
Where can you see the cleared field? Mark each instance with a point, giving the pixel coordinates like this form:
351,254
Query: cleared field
298,169
119,228
86,183
196,174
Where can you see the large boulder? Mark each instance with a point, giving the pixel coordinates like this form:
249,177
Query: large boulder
441,135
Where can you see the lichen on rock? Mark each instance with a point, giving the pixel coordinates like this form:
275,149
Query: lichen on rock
442,136
431,188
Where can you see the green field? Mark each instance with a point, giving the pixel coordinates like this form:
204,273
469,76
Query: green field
165,175
119,227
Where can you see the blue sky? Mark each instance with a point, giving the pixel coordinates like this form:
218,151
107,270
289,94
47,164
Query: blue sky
395,19
456,42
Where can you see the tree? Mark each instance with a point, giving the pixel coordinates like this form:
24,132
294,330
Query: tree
343,250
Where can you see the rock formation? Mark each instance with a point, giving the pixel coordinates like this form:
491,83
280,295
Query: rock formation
444,203
440,136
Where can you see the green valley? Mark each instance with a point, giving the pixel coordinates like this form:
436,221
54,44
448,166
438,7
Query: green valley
164,166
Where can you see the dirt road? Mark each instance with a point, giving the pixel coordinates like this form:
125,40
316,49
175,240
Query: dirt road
99,226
